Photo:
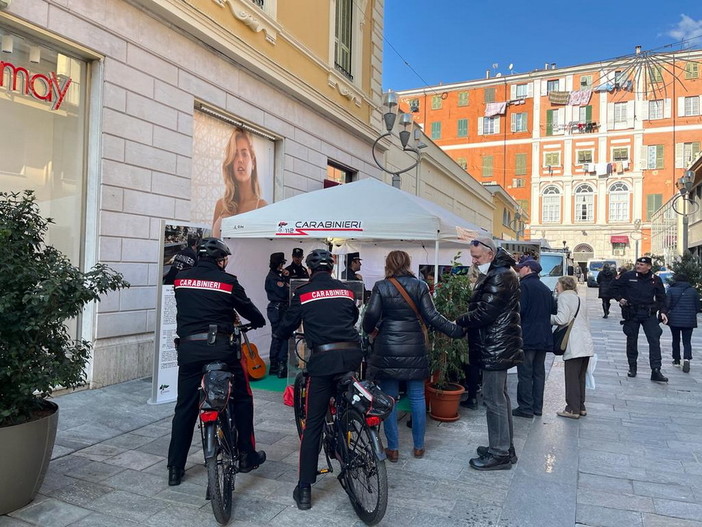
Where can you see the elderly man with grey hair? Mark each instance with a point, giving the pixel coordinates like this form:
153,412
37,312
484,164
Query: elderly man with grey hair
494,332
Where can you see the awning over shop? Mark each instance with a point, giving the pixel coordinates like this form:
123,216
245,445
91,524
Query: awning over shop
619,239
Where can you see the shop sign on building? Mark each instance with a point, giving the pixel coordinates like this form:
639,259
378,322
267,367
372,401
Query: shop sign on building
48,88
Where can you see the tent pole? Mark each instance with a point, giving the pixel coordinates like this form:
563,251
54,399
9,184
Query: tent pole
436,264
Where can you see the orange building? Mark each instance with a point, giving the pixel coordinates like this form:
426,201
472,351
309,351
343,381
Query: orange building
589,151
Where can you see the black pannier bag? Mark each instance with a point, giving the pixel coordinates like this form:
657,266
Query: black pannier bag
369,399
215,388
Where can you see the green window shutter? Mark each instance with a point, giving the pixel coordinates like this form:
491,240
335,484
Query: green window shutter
462,127
549,122
520,165
489,94
659,156
588,113
487,166
653,203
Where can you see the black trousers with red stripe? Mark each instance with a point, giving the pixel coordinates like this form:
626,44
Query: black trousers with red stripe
320,389
187,407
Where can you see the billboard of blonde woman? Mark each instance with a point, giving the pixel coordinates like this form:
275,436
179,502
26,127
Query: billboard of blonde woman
232,171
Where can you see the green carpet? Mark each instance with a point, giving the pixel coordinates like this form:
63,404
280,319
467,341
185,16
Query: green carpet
272,383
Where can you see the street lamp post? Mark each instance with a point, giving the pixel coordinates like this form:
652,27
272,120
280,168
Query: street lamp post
684,185
517,224
390,103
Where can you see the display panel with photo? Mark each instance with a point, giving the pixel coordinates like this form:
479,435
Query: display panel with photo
232,169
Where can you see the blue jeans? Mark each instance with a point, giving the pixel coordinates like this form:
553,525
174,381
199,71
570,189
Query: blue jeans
418,406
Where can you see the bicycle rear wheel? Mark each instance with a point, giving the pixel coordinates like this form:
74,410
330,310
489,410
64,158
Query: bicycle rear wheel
365,477
221,471
300,402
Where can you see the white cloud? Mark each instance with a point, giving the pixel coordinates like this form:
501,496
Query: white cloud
687,29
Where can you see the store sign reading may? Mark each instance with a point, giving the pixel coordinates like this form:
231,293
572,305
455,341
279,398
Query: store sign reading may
47,88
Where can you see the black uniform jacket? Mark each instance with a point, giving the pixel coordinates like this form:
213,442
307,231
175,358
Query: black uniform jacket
296,271
207,295
328,310
536,305
493,321
641,291
277,288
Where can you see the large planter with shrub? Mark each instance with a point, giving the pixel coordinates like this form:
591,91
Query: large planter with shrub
41,289
26,452
448,355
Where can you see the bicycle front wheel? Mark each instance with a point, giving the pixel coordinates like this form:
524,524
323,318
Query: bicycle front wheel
300,402
220,472
365,477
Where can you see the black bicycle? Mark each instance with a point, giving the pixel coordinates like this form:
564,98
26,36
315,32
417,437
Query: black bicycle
350,435
219,434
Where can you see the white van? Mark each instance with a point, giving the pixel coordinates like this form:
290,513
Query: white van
595,266
553,266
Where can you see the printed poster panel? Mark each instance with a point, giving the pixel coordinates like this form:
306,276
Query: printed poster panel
179,242
232,170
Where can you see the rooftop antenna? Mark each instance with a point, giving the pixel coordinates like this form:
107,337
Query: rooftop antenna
510,68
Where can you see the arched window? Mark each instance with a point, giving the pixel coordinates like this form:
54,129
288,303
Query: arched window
619,197
551,205
584,203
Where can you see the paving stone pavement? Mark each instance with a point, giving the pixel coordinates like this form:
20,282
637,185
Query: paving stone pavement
635,460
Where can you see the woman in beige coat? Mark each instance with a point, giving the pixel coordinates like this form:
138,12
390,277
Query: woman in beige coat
579,350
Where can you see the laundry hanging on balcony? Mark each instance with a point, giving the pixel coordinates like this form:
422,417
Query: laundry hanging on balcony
495,108
579,98
558,97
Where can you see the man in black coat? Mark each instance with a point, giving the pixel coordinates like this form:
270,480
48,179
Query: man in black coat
296,269
495,333
277,291
536,306
641,295
329,312
208,299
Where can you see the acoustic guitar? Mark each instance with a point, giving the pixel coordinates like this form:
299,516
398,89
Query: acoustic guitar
255,366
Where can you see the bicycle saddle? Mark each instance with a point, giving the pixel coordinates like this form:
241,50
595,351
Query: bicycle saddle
215,366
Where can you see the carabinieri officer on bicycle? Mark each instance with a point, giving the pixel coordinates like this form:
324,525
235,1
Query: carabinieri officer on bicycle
328,310
207,297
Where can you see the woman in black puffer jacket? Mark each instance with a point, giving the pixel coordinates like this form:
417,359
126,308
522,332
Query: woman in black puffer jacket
399,349
683,303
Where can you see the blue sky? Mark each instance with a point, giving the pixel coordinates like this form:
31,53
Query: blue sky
447,41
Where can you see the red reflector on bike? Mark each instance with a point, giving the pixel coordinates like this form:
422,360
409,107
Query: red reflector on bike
208,417
373,421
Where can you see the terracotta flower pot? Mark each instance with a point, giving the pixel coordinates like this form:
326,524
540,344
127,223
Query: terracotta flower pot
443,404
26,452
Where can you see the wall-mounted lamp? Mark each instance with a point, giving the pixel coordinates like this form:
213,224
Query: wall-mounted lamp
8,44
34,54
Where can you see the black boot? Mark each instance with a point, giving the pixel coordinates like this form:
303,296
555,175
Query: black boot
657,376
175,476
303,497
251,460
282,370
632,370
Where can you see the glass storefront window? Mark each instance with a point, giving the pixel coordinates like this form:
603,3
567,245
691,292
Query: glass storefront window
42,147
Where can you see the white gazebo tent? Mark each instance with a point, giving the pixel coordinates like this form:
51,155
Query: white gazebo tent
365,215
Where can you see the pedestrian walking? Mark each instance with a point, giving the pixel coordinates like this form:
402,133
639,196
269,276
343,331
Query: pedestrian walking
641,295
683,303
580,348
604,279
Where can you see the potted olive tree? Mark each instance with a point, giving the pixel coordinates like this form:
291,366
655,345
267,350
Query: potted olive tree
447,355
41,289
